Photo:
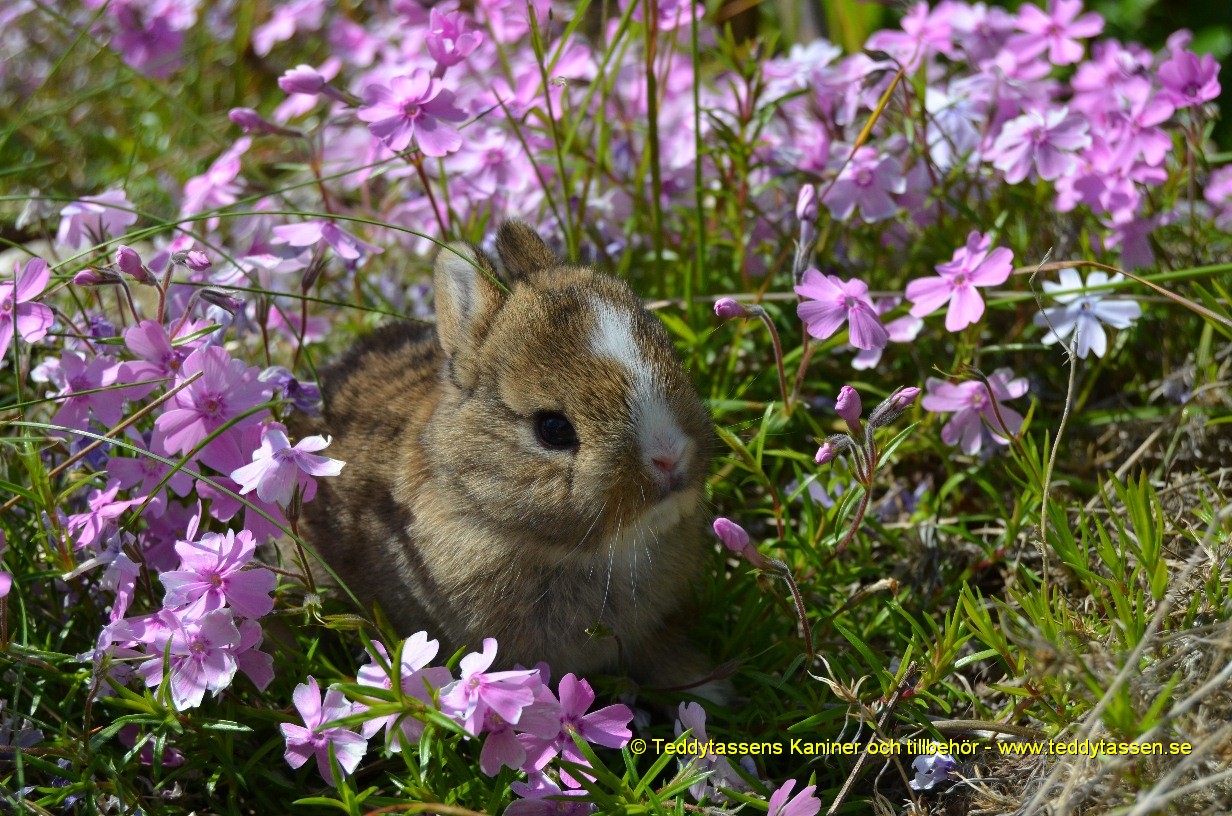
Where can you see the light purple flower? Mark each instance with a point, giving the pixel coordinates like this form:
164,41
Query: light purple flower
539,798
972,408
217,187
226,389
450,38
832,302
609,727
297,15
691,717
302,79
79,376
972,265
304,742
309,233
867,182
1056,32
931,771
1189,80
277,467
95,218
1082,312
212,575
477,691
99,520
418,680
199,655
1044,141
30,320
803,803
413,108
924,32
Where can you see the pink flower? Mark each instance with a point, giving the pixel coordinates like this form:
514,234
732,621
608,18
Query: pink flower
832,302
199,655
79,376
30,320
1056,32
145,473
691,717
103,509
217,187
733,536
973,409
225,391
95,218
212,575
414,108
972,265
1190,80
479,691
418,680
867,182
159,358
609,727
849,407
6,578
285,21
449,39
314,740
728,308
309,233
277,467
803,803
540,797
924,33
1044,141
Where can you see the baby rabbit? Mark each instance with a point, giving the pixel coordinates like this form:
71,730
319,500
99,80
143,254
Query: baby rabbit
530,470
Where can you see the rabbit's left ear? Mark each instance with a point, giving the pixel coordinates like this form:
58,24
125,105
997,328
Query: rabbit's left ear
522,251
468,296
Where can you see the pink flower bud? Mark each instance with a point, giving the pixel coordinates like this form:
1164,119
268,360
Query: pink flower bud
130,264
825,453
903,397
194,259
727,308
248,120
302,79
849,407
222,300
806,204
731,534
88,277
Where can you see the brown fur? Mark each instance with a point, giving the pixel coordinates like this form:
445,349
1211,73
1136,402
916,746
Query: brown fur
454,518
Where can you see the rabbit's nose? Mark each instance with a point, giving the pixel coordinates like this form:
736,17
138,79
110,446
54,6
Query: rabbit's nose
668,470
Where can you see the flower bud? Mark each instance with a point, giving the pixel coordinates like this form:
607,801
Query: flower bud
302,79
727,308
96,277
806,204
849,407
903,397
892,407
194,259
826,453
130,264
250,121
733,536
221,299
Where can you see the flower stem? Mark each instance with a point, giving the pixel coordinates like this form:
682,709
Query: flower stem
778,358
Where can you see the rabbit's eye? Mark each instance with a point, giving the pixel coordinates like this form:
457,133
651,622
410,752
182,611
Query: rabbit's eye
555,431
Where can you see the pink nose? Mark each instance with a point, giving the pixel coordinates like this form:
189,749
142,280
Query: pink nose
666,463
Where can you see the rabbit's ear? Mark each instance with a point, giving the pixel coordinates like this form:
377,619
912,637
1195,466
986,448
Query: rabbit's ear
522,251
468,295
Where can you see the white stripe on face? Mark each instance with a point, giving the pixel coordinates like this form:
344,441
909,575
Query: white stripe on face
657,429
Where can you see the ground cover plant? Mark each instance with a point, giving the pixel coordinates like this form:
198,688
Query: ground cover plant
1006,232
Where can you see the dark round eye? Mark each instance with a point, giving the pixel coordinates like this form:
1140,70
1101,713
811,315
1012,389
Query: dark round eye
554,431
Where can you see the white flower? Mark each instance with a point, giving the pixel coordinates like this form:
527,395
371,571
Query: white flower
1082,311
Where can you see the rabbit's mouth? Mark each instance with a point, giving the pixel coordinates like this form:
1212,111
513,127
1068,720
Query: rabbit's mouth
655,527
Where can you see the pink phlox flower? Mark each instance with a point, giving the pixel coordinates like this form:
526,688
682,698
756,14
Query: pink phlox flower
1136,125
288,18
450,38
1041,140
1058,32
277,467
418,680
217,187
224,507
1189,80
17,313
1083,312
212,576
492,163
95,218
867,182
160,358
899,330
609,727
477,691
502,746
830,302
973,265
104,509
924,32
6,578
1218,193
309,233
413,108
120,575
975,418
80,376
980,31
171,757
226,389
199,655
313,739
803,803
257,665
543,797
691,717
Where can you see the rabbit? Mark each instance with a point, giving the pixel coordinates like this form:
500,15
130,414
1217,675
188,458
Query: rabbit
530,469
